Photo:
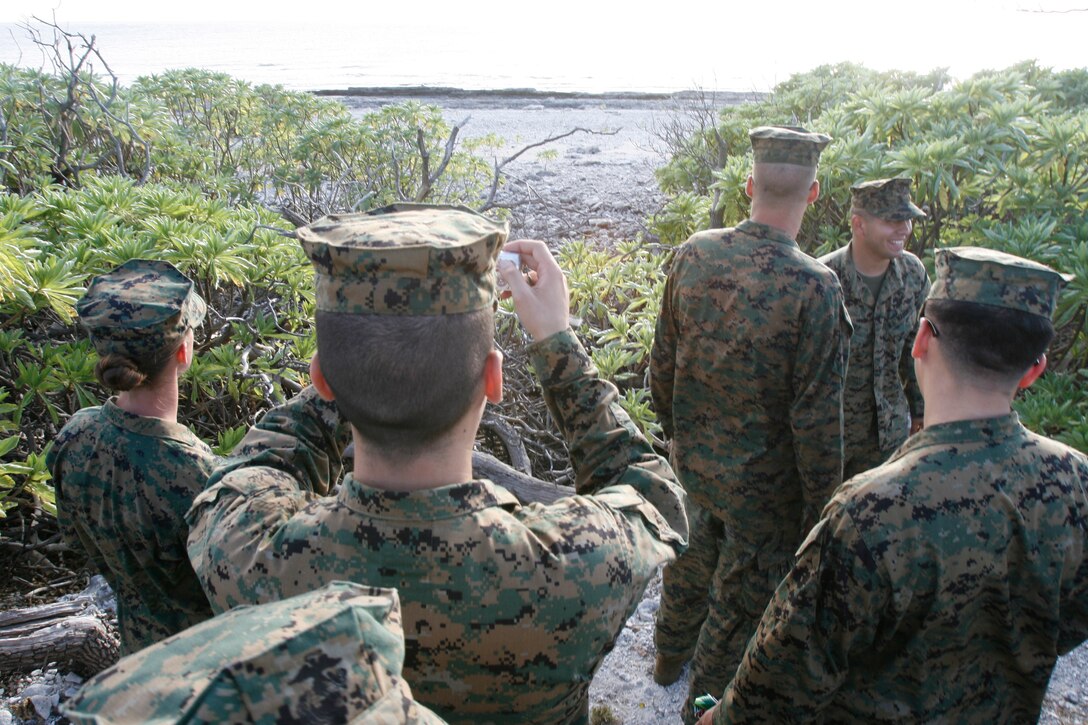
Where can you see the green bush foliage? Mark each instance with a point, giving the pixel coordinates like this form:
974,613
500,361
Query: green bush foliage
202,170
55,239
998,160
265,144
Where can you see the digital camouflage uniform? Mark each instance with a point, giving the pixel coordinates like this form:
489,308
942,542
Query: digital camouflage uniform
746,375
508,609
881,396
941,586
123,482
330,656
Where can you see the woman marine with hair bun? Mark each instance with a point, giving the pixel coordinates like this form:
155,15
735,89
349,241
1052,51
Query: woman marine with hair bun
126,472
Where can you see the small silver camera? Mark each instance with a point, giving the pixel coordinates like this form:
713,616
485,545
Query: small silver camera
510,257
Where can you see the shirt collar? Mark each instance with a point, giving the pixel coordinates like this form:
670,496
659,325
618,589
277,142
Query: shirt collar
765,231
443,502
979,431
146,425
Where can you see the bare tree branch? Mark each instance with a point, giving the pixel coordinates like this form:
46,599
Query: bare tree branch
425,159
74,58
428,179
499,166
693,134
551,139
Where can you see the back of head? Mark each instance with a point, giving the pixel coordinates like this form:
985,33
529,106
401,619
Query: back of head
333,655
405,298
781,184
403,382
989,345
137,316
992,312
784,163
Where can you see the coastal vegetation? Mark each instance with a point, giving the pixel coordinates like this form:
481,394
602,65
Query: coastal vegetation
209,173
998,160
213,174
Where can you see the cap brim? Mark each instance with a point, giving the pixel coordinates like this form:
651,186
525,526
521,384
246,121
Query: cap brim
904,213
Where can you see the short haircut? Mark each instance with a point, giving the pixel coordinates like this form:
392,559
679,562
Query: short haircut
997,343
121,372
782,183
404,381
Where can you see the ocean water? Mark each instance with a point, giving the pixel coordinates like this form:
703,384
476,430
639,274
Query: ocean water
304,57
567,45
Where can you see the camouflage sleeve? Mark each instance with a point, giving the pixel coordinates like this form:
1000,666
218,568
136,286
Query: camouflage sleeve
290,457
72,537
1073,629
185,474
816,416
663,359
1073,625
70,533
231,523
305,438
828,608
606,448
906,361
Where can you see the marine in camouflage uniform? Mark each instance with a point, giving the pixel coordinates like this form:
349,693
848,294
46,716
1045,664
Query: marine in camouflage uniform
942,585
747,376
331,656
884,287
123,481
508,609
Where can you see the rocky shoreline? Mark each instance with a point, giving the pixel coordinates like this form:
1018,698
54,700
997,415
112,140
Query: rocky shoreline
595,181
517,97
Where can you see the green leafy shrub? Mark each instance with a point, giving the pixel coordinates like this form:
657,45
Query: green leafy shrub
231,140
615,300
59,238
997,160
207,172
59,128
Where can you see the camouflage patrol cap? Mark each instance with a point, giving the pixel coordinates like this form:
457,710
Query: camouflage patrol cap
404,259
333,655
885,199
989,277
787,145
141,308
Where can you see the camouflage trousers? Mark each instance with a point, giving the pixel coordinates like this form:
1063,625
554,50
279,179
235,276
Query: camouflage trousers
863,452
685,586
861,457
712,599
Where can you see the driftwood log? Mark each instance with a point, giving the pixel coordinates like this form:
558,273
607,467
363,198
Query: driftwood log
70,634
511,441
526,488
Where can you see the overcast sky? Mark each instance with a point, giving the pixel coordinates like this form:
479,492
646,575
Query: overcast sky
788,35
907,18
